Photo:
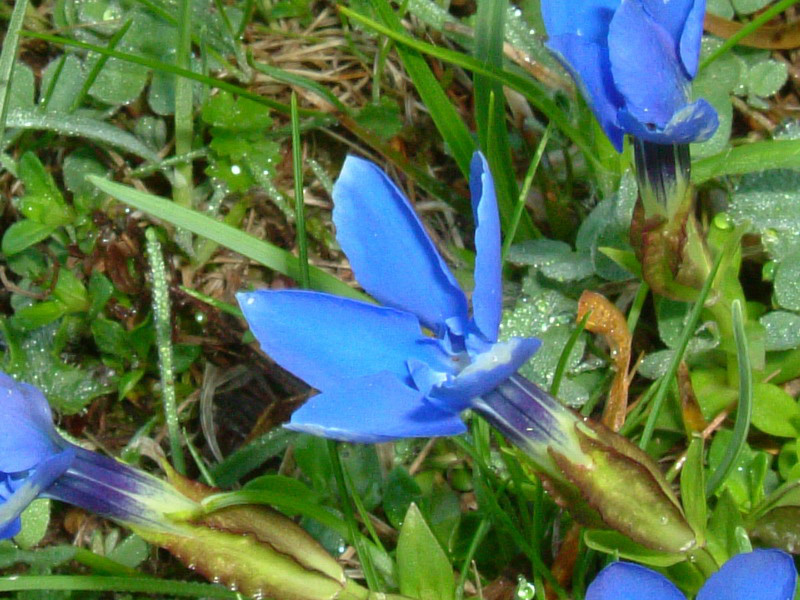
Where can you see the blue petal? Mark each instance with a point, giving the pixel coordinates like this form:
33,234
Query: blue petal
323,339
691,37
36,483
391,254
645,66
487,297
376,408
757,575
695,122
588,18
486,371
627,581
683,20
589,65
28,436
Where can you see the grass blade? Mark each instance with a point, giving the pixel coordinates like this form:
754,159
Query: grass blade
677,356
247,245
9,53
444,115
536,95
299,208
744,410
490,112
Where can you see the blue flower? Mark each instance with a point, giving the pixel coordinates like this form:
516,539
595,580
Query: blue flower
409,367
634,61
36,461
757,575
32,455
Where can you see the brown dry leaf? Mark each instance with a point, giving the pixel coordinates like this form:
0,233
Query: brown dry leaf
693,419
605,319
771,37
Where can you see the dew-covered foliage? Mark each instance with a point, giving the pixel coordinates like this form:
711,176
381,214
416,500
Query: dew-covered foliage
157,157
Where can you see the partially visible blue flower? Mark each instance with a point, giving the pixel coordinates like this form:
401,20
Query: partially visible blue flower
36,461
757,575
381,376
634,61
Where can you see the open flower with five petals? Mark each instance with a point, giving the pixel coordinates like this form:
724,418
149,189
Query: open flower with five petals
757,575
634,61
409,367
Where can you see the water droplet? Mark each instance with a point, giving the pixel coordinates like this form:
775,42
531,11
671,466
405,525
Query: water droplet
525,589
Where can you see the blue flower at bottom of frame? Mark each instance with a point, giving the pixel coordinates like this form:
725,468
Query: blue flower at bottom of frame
757,575
32,454
408,368
634,61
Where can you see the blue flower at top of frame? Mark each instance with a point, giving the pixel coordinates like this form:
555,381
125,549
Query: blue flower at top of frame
634,61
32,454
379,374
757,575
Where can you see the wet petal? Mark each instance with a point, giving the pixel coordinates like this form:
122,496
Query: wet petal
627,581
645,66
28,436
37,482
695,122
323,339
376,408
691,37
757,575
589,65
487,297
486,371
391,254
670,14
588,19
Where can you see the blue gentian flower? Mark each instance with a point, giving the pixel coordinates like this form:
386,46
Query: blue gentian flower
634,61
757,575
36,461
409,367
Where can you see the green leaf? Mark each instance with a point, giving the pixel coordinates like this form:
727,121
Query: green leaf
71,291
693,489
235,114
24,234
400,490
423,569
247,245
722,526
748,158
787,282
614,543
83,127
554,259
131,551
42,201
765,78
39,314
774,411
382,119
782,329
111,338
746,7
69,83
35,520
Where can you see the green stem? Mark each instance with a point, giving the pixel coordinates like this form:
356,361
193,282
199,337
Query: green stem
184,117
355,536
161,311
